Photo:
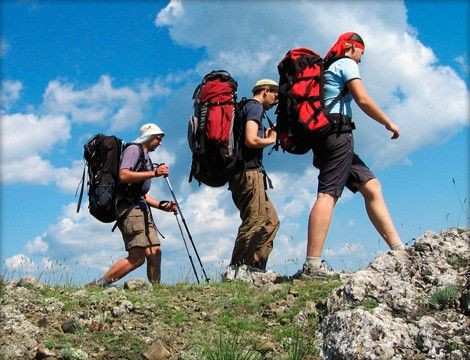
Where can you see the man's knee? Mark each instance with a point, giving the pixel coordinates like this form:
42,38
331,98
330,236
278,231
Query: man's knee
153,251
371,189
136,256
326,198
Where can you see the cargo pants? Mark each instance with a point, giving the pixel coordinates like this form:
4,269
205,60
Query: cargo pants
260,222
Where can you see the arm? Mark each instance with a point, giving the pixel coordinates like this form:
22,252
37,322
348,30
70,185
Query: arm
368,105
252,140
128,176
152,202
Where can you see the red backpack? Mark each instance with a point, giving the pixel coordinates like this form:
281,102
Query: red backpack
301,114
214,130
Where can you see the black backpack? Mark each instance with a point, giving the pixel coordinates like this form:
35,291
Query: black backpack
214,130
102,154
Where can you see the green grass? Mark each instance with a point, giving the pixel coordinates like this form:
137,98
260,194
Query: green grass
219,319
443,297
368,303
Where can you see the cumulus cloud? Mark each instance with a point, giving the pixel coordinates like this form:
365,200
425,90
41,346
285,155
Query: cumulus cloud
36,134
51,124
38,245
123,106
19,262
401,74
9,93
174,10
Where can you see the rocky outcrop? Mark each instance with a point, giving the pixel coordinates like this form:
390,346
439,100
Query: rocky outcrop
409,304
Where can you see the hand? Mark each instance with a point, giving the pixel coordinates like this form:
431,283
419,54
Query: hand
168,206
160,170
392,127
270,133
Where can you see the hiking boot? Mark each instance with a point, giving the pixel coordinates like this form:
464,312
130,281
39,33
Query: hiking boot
103,283
314,272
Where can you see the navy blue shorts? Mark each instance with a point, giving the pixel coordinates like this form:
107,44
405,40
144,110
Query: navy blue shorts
338,164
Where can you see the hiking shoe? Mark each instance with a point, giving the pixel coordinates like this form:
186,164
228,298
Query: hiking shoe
314,272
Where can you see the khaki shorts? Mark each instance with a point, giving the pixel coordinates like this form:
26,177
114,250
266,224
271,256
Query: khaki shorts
134,231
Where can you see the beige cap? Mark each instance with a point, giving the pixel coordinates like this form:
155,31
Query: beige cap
265,83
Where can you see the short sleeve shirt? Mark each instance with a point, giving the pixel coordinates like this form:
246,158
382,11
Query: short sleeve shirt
130,158
254,111
336,79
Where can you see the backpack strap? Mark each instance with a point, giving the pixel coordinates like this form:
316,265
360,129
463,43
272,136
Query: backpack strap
82,182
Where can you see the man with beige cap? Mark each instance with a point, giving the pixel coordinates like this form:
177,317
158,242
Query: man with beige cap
260,222
133,205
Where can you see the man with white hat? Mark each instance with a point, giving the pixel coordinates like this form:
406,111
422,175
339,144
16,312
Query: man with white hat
260,222
135,221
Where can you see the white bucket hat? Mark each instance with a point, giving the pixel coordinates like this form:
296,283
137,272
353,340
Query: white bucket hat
265,83
147,131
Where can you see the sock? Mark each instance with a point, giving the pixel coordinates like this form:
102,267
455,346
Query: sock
313,261
398,246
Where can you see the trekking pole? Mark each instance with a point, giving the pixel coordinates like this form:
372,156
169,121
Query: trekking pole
186,246
186,227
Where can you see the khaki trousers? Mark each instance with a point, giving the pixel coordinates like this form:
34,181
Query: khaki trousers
260,222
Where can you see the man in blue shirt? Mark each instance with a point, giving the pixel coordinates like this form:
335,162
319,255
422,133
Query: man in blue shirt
335,158
260,222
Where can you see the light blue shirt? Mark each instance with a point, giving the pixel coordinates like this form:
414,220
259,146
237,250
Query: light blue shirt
336,77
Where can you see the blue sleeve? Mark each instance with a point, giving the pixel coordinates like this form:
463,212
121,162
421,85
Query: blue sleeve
349,69
254,111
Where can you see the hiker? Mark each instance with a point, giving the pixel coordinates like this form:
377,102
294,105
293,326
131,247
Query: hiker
335,158
260,222
133,205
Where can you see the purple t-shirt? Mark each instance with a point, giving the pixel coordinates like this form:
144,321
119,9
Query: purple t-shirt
129,159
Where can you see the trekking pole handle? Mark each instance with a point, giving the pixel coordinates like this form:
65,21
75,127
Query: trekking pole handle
156,166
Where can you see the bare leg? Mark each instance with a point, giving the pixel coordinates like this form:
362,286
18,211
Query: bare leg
319,223
135,258
154,260
378,212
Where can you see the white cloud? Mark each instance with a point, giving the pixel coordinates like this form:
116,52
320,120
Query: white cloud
38,245
122,106
462,61
10,93
19,262
63,106
37,135
174,10
395,61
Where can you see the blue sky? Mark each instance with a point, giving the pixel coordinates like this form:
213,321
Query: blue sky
73,69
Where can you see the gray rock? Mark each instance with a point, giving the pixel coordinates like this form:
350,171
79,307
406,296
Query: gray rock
69,326
249,275
137,284
383,312
122,307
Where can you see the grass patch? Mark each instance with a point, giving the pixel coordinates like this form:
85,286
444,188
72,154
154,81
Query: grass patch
231,347
443,297
457,262
368,303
